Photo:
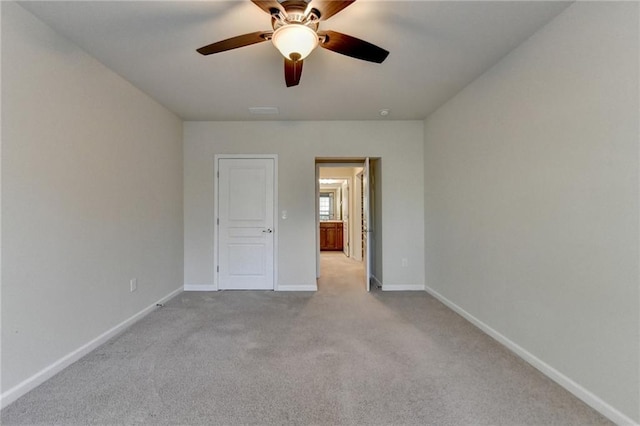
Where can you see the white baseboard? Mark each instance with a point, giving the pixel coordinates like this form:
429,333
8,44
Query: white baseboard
211,287
200,287
396,287
585,395
403,287
306,287
45,374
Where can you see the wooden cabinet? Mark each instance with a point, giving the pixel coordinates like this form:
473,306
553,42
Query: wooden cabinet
330,235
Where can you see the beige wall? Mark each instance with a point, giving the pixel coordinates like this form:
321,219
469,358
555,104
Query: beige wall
531,202
298,144
91,197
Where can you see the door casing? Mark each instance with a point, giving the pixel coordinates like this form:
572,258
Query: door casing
341,162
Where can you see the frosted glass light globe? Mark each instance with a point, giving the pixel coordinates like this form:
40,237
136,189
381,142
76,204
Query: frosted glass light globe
295,41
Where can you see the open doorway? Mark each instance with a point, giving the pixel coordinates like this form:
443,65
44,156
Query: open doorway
345,221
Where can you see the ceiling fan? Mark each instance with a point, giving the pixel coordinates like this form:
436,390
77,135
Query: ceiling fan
295,34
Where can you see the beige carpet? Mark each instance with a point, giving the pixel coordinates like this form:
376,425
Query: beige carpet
338,356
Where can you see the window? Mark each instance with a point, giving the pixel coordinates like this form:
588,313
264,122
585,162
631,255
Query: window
326,206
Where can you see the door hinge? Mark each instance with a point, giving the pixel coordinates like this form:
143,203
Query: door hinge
217,174
218,221
217,269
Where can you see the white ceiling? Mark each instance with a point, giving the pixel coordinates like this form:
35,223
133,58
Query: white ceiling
436,48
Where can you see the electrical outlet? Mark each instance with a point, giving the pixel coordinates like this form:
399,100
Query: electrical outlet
133,284
405,262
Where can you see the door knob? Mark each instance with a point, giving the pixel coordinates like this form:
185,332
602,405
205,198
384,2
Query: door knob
267,231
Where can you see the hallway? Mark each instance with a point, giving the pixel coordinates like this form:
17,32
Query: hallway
340,273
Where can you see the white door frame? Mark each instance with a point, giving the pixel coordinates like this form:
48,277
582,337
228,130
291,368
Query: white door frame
276,229
346,236
368,231
327,163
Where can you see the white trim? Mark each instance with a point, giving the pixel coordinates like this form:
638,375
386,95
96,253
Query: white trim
317,216
215,222
276,210
200,287
403,287
304,287
585,395
45,374
335,162
370,249
377,282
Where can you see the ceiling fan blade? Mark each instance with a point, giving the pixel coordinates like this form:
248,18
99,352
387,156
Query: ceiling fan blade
328,8
292,72
235,42
267,5
354,47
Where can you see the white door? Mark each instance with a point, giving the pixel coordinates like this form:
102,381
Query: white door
367,226
345,218
246,223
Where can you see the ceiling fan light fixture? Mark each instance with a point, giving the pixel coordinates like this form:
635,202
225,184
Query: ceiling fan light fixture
295,41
